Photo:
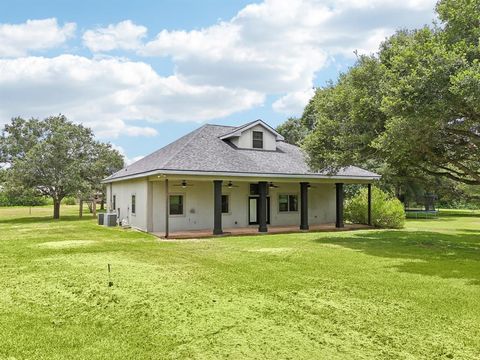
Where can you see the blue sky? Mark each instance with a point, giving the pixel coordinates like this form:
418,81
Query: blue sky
143,73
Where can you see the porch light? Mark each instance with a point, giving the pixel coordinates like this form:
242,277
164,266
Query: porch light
230,185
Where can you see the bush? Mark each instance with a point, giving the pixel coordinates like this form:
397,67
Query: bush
387,211
9,199
70,200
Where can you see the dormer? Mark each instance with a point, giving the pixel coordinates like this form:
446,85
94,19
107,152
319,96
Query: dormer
256,135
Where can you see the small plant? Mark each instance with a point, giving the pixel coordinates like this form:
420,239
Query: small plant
387,211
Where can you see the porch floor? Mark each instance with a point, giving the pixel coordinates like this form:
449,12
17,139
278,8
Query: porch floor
253,230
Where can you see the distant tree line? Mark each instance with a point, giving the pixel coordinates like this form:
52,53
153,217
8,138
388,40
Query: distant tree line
53,158
411,112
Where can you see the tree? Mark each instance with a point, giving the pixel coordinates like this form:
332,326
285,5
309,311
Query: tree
293,131
54,157
412,110
348,117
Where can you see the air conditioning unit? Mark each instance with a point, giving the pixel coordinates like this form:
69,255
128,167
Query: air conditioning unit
110,219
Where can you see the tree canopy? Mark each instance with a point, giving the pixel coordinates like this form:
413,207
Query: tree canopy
55,157
411,109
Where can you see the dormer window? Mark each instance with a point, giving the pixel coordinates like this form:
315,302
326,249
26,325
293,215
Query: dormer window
257,140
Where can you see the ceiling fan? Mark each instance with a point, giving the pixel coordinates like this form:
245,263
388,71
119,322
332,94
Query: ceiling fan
272,185
183,184
230,185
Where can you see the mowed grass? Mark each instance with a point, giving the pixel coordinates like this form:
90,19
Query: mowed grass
407,294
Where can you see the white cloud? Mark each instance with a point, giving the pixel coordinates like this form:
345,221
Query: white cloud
33,35
293,103
110,95
122,152
124,35
273,48
278,46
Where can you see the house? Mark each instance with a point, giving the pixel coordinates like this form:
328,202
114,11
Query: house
224,177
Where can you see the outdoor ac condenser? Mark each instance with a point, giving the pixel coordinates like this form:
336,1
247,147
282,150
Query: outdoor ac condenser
110,219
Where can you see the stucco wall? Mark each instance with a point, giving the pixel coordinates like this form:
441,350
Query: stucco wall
123,190
198,205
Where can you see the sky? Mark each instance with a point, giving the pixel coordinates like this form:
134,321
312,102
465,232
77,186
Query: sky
143,73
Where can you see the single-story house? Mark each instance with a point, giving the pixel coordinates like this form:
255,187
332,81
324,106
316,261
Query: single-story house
221,177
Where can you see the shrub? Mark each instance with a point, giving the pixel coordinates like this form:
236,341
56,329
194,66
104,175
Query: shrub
26,199
70,200
387,211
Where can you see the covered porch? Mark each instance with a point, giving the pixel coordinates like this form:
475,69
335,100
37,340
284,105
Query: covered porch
253,205
253,230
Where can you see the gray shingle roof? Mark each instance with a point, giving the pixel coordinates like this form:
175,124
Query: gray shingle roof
203,151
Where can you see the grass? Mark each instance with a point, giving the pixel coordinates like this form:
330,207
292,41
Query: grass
407,294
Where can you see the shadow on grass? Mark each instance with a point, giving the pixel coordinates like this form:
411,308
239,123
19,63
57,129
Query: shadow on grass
432,253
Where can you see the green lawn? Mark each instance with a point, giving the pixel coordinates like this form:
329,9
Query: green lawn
408,294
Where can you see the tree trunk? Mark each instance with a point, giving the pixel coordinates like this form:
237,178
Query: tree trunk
80,208
94,207
56,208
102,204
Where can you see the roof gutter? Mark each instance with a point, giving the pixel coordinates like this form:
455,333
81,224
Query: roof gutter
240,174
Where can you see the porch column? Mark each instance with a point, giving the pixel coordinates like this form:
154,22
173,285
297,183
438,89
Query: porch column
262,206
339,205
369,202
217,207
167,210
303,206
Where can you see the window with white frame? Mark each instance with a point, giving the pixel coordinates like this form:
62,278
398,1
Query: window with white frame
257,140
287,202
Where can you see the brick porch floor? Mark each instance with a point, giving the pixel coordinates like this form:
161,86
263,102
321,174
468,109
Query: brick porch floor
253,230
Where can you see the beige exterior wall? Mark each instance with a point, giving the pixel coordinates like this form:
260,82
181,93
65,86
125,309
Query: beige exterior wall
245,141
123,191
198,204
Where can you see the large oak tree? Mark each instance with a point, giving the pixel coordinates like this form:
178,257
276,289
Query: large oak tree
412,108
55,157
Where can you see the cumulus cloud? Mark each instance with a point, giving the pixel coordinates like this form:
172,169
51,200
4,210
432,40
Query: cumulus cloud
273,48
109,94
124,35
33,35
293,103
122,152
278,46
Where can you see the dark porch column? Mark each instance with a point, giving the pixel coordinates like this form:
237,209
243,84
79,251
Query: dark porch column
217,207
167,209
262,206
369,202
303,206
339,208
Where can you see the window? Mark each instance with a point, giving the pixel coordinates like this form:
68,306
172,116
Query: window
225,204
133,204
287,203
114,205
176,204
257,140
254,189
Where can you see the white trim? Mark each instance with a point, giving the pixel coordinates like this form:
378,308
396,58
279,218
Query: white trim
242,174
238,131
